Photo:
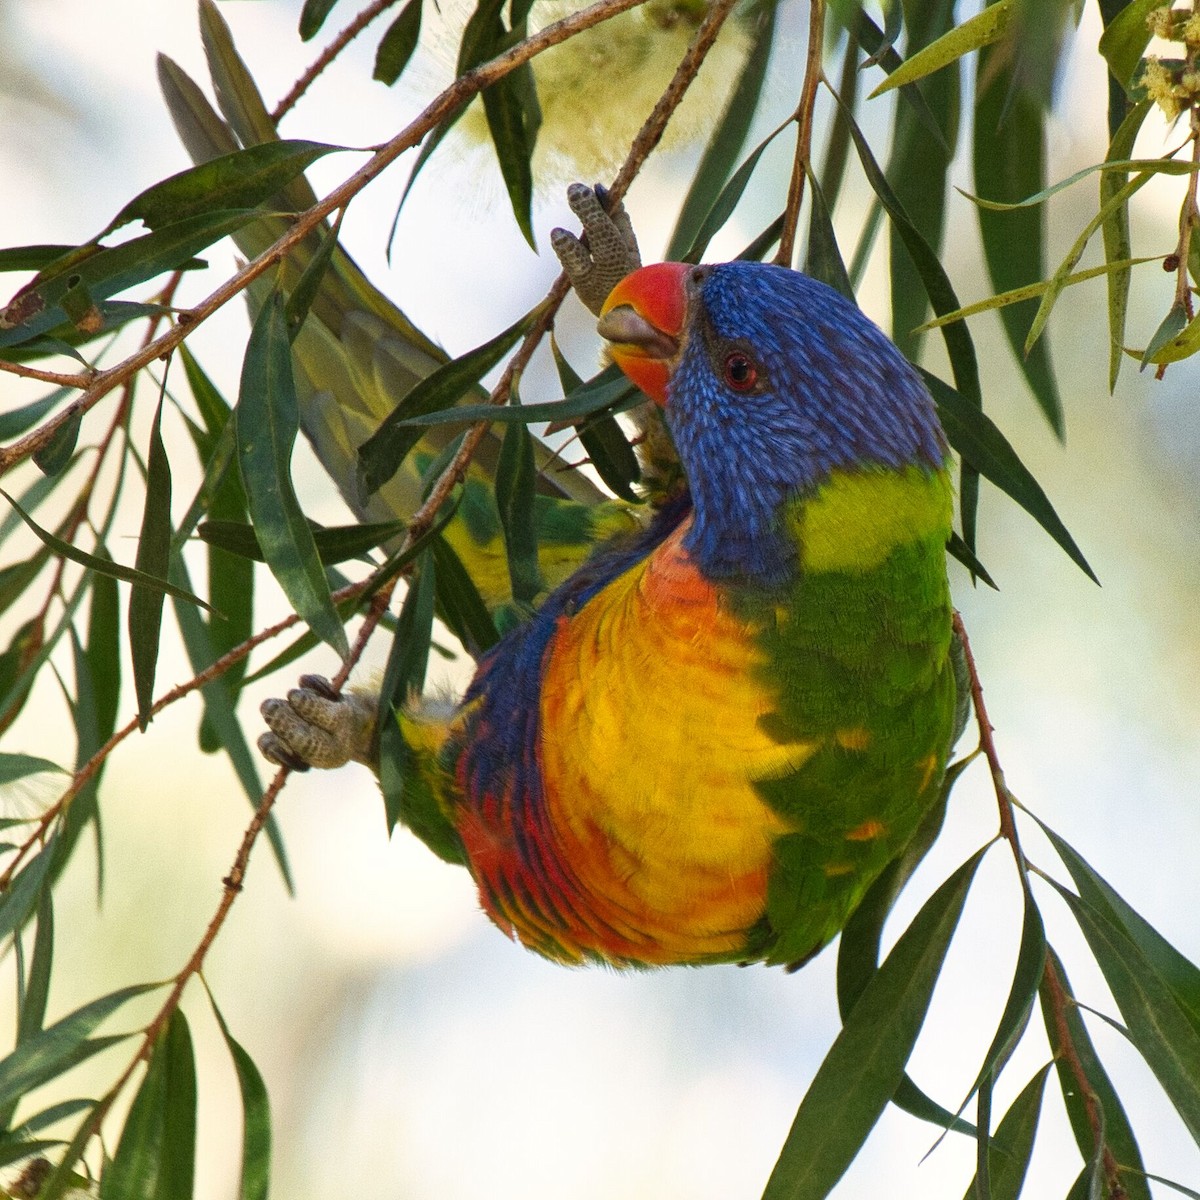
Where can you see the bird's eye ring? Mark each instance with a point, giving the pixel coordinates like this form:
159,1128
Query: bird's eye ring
740,373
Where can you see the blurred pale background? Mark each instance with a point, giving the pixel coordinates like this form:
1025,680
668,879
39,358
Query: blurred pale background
409,1049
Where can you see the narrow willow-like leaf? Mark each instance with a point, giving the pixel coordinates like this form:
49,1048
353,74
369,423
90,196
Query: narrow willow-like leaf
381,454
513,117
1118,1133
881,51
405,673
156,1156
721,153
20,899
959,550
1009,159
1180,974
334,545
18,766
242,179
1117,244
516,482
823,258
398,43
312,17
1145,166
308,286
459,603
1154,1020
267,421
37,988
1182,1189
53,457
17,421
866,1062
153,558
728,197
1126,38
979,441
62,1045
1033,290
103,654
980,30
31,258
1012,1145
256,1117
38,307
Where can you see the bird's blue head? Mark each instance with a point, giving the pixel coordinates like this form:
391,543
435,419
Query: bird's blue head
769,381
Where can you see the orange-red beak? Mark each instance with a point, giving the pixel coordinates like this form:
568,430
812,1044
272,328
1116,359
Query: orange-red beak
643,320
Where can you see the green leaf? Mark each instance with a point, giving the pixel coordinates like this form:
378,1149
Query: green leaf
882,53
31,258
1118,1133
379,458
64,1044
1009,163
823,259
1125,40
37,989
153,558
866,1062
156,1157
1012,1147
973,434
243,179
980,30
334,545
728,138
1154,1020
256,1117
1178,972
404,674
18,766
728,197
21,898
958,549
1178,1187
513,117
1176,338
103,657
459,603
312,17
516,484
17,421
53,457
267,421
398,43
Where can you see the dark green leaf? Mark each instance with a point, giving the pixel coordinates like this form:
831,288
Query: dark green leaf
31,258
459,603
1171,327
267,421
1118,1133
16,578
110,270
1155,1022
103,655
153,558
334,545
21,898
308,286
242,179
256,1118
1179,973
823,259
1117,244
727,139
881,52
1178,1187
156,1157
62,1045
516,480
381,455
513,117
959,550
1125,39
18,766
37,989
398,43
866,1063
16,421
312,17
728,197
404,674
54,456
1010,163
1012,1146
51,1116
972,433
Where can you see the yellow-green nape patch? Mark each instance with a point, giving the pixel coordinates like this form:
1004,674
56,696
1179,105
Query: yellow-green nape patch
858,518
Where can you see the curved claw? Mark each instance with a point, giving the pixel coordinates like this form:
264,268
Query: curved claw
317,727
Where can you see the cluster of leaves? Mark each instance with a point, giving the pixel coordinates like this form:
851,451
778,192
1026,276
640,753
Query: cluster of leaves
397,438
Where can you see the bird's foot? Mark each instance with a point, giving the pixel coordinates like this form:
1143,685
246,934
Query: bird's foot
607,251
318,727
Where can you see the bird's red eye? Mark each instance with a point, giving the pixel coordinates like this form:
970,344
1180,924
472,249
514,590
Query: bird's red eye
740,373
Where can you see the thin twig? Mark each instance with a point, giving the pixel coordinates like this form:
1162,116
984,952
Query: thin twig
79,379
804,128
327,56
1059,1001
448,101
1189,214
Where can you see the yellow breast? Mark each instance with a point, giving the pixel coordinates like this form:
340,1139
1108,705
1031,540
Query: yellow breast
650,740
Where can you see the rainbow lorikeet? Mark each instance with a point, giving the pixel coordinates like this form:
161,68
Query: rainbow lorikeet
709,740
